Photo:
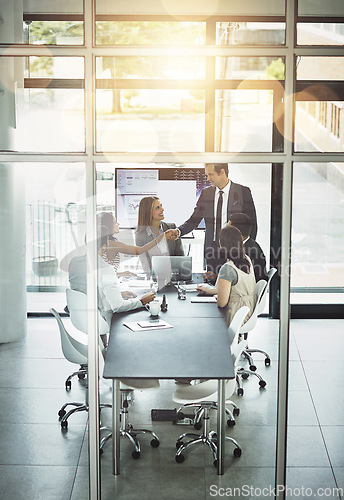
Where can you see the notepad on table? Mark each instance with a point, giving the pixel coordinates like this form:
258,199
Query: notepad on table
144,325
203,298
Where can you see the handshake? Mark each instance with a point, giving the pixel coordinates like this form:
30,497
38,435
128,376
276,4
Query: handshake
171,234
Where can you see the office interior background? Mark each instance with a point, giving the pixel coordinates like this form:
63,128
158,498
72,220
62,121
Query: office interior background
91,87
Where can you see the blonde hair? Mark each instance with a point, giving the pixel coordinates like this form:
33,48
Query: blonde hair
145,211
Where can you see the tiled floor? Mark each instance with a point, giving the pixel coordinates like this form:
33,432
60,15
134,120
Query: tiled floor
39,461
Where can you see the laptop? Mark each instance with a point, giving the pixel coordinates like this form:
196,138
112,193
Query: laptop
172,269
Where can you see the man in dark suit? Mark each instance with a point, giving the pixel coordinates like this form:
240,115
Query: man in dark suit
214,205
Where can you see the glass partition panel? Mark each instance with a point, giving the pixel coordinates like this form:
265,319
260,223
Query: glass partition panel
320,33
250,68
317,229
250,33
42,104
319,126
150,33
244,120
320,68
321,9
53,32
42,22
144,67
150,120
180,8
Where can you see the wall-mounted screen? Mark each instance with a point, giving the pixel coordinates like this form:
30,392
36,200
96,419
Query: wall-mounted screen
177,187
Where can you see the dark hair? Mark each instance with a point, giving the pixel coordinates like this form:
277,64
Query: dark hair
106,220
232,245
241,221
145,211
219,166
102,236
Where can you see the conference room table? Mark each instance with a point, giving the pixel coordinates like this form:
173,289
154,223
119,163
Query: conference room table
196,347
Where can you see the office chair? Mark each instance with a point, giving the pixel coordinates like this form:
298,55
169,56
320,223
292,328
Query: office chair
250,325
203,397
75,352
77,304
127,387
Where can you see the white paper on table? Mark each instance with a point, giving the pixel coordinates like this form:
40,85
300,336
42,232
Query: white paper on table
135,325
204,298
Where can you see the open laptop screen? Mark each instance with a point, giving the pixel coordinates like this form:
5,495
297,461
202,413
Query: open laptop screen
172,268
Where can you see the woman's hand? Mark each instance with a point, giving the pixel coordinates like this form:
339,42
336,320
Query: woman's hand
171,234
206,289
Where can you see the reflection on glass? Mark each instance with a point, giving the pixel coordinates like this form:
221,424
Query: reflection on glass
55,215
151,67
320,33
54,67
149,33
51,120
318,225
320,68
243,120
150,120
54,32
319,126
233,33
250,68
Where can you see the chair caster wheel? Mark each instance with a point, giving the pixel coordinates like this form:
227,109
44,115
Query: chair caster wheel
240,392
253,368
230,422
180,459
136,454
81,376
245,376
180,415
215,463
198,426
267,361
68,385
236,412
61,413
262,383
64,424
237,452
155,443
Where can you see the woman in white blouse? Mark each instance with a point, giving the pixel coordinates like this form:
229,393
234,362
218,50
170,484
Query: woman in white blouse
150,226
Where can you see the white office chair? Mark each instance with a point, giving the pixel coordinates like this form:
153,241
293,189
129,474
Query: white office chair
203,397
251,324
75,352
77,305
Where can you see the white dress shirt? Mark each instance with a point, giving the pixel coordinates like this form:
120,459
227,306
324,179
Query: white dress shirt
225,195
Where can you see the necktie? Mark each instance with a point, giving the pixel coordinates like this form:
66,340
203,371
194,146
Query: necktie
218,215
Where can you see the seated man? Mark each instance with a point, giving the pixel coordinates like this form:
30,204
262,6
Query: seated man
110,299
243,222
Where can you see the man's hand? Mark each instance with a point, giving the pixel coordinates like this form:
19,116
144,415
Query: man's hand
147,297
128,295
171,234
209,277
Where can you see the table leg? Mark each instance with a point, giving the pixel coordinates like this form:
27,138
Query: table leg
115,426
221,426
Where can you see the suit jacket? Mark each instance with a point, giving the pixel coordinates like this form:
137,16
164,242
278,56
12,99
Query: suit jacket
239,200
175,247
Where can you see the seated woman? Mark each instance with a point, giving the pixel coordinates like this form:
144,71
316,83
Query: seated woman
108,222
150,226
236,285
